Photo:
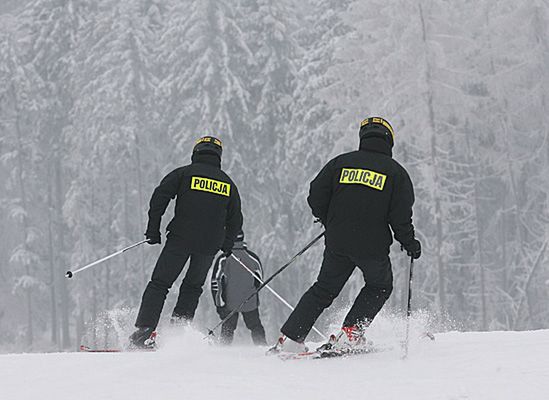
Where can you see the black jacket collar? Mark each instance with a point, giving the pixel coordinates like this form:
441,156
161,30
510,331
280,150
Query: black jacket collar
204,158
239,245
377,145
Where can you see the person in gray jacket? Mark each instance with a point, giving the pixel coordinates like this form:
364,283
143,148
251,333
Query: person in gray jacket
231,284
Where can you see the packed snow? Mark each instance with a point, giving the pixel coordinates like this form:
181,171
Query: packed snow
487,365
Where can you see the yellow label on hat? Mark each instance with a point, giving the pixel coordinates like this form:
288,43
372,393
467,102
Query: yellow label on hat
366,177
209,139
211,186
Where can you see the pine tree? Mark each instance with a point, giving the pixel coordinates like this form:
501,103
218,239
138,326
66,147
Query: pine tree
20,108
51,30
109,131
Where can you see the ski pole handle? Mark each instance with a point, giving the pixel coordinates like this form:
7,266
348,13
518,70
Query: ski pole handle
69,274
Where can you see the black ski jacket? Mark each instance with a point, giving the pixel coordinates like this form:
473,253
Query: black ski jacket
207,210
358,195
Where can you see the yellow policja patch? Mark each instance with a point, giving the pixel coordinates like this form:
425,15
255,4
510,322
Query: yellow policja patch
364,177
211,186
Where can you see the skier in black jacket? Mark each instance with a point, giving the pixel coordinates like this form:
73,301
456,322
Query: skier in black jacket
207,218
358,197
231,284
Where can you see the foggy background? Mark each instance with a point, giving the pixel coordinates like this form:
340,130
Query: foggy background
99,99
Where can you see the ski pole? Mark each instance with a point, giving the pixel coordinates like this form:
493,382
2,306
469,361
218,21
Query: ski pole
279,297
316,239
409,308
70,274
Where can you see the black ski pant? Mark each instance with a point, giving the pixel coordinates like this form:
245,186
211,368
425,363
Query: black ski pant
170,263
252,321
334,273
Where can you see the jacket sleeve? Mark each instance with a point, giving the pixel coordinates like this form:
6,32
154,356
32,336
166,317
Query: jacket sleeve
233,223
320,192
164,192
257,268
400,213
218,282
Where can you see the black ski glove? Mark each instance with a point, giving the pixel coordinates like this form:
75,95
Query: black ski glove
153,237
413,249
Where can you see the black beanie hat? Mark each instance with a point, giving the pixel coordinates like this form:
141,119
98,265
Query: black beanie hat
377,127
208,144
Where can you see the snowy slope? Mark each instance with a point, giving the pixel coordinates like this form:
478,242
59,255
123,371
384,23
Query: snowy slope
495,365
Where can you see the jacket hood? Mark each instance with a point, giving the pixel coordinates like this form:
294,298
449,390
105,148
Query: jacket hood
206,158
376,144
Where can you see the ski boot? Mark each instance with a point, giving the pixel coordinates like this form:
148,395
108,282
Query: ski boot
286,345
329,344
143,338
349,339
179,320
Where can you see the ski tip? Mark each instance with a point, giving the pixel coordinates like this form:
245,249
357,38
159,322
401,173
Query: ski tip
68,274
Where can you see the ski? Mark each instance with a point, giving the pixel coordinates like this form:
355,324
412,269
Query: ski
87,349
320,354
307,355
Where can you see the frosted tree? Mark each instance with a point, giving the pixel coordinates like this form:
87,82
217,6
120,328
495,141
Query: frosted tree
269,181
521,124
19,111
51,30
110,127
312,136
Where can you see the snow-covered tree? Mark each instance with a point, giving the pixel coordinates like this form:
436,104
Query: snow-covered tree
20,106
110,134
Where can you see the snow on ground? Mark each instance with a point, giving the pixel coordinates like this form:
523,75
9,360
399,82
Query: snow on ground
457,366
